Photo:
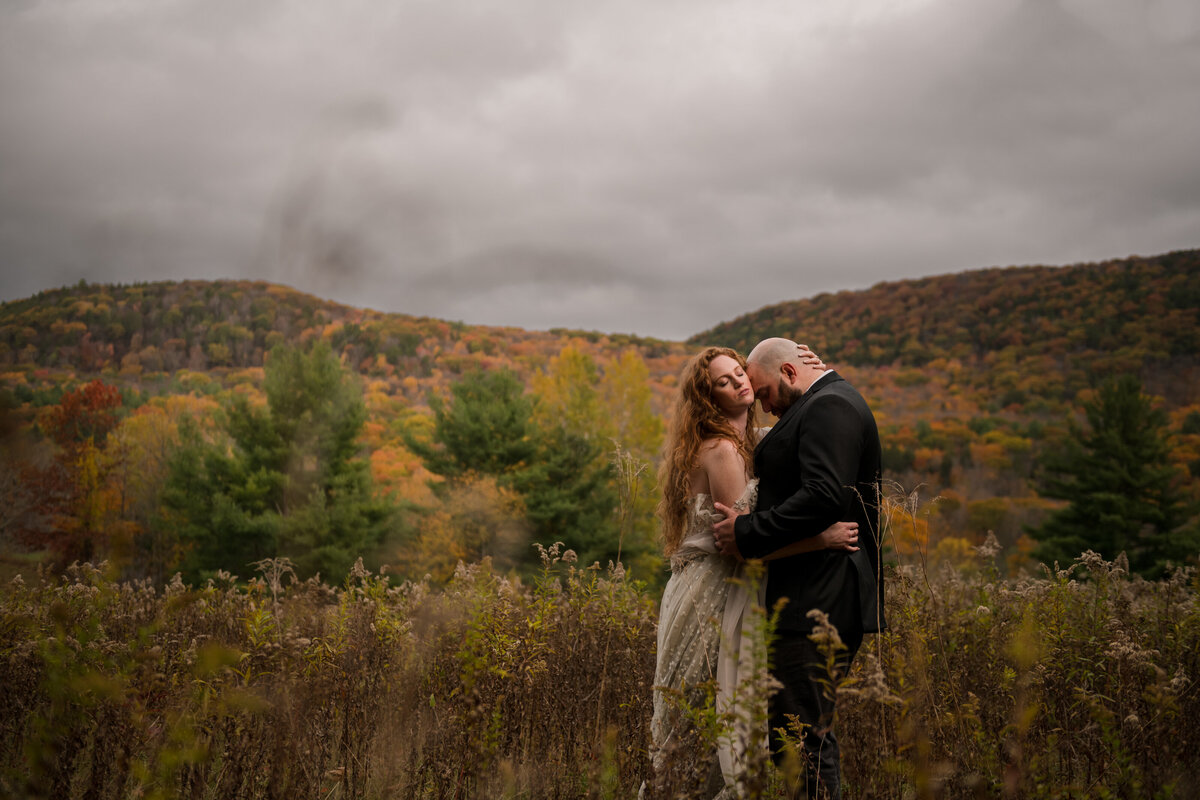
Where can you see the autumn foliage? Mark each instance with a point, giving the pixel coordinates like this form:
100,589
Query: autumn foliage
68,506
973,377
150,430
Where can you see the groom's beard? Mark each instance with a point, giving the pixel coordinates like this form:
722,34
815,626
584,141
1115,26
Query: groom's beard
788,396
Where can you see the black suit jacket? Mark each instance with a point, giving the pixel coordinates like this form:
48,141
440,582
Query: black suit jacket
818,465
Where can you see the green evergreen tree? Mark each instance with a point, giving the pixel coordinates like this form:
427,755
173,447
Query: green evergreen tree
569,497
1119,486
486,427
289,481
489,426
219,509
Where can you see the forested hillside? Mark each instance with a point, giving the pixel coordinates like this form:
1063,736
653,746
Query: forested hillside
108,391
145,332
1025,335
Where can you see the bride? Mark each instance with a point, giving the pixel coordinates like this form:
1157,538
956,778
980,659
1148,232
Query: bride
708,457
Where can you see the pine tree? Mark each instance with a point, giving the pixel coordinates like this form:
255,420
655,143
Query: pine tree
490,427
1119,486
288,481
568,496
485,427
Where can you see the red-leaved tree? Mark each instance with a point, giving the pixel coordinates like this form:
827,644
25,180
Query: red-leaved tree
66,497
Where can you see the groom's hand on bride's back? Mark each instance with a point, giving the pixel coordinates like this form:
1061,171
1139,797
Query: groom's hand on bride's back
723,532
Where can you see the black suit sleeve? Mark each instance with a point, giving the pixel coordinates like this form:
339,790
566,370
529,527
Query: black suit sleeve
828,448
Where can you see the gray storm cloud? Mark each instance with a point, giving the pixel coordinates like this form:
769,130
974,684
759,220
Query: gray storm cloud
627,166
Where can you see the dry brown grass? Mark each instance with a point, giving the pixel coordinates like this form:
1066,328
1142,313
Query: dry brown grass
1078,684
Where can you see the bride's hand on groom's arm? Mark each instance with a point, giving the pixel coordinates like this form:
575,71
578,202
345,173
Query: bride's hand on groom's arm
723,532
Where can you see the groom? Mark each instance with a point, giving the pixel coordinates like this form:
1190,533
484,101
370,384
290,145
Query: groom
818,465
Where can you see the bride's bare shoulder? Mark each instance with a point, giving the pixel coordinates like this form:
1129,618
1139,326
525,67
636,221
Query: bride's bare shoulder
718,444
717,450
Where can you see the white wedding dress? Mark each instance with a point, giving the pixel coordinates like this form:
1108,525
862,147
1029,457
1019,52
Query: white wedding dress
701,637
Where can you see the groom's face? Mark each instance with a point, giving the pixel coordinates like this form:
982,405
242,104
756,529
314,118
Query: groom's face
766,388
772,389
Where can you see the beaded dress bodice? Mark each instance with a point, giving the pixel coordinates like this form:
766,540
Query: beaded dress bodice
701,516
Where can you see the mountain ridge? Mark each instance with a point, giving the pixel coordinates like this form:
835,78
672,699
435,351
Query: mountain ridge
1139,313
987,330
862,349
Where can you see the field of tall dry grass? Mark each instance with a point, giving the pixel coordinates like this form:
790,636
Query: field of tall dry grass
1080,683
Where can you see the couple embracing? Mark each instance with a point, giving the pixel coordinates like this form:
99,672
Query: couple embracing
803,497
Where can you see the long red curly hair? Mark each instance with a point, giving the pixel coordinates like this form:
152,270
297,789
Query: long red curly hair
696,418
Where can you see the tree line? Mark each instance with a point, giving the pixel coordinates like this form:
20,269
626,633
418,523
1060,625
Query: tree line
206,487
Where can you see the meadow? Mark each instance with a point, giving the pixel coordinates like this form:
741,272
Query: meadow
131,416
1079,682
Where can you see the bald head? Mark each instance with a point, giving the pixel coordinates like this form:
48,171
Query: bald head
778,373
771,354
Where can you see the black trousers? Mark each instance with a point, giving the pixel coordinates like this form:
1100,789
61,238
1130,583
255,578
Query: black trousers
807,695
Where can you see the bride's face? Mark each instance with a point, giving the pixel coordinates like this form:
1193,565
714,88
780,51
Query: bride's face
731,390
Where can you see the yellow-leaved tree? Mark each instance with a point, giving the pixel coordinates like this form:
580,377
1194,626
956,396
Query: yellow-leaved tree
637,432
609,406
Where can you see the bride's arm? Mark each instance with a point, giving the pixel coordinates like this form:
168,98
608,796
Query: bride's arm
838,536
726,471
809,358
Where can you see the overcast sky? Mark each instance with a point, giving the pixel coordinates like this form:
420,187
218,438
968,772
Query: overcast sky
644,166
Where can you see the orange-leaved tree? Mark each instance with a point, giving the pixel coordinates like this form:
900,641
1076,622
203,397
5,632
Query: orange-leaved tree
70,513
